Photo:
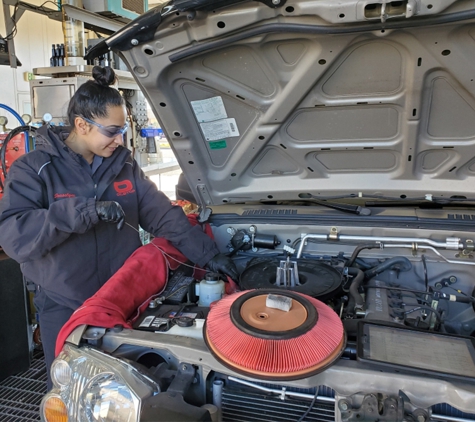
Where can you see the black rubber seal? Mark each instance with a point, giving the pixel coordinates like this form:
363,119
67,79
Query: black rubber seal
238,321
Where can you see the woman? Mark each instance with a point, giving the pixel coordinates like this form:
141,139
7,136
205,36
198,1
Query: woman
72,207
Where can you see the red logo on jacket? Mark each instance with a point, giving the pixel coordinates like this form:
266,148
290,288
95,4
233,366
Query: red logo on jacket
124,187
64,195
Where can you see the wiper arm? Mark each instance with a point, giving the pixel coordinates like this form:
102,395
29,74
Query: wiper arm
352,209
434,204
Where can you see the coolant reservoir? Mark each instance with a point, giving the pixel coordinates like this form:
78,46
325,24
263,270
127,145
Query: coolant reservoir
73,31
210,289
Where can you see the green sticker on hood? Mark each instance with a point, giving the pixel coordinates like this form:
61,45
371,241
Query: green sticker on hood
217,144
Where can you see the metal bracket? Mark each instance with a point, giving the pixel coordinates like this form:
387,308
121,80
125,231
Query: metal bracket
253,231
375,408
94,335
204,214
273,3
411,8
333,233
383,15
414,249
466,253
183,379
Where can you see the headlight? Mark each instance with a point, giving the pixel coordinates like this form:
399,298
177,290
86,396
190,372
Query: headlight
91,386
61,373
106,398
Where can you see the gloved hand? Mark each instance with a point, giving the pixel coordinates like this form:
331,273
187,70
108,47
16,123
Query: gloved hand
221,263
111,212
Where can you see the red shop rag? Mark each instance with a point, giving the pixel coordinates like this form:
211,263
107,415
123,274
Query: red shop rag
128,292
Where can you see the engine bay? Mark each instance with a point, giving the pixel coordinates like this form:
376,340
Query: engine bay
413,281
405,300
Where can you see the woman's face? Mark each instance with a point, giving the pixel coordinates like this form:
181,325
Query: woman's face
98,140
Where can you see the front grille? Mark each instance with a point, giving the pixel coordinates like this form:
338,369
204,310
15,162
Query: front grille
136,6
21,394
243,404
461,217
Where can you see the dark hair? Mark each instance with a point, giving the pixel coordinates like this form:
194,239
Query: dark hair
93,97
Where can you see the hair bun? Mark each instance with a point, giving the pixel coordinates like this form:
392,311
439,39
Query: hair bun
104,76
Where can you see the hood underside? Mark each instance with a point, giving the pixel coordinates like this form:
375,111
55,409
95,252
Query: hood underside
320,97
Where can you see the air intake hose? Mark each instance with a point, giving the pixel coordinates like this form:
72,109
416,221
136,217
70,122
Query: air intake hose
403,262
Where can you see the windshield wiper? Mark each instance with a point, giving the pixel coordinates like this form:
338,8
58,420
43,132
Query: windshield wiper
431,204
352,209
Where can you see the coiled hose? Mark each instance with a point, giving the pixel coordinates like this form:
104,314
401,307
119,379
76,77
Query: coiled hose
22,123
3,150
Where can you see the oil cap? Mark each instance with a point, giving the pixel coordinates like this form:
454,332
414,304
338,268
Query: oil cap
184,321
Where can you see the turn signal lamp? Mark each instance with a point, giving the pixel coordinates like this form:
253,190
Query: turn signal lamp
54,410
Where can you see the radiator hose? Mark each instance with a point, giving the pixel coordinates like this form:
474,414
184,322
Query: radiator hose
355,296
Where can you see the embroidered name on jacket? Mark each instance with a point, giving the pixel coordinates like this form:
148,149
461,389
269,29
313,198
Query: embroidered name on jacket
64,195
124,187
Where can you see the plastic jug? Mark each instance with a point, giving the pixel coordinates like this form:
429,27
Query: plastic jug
210,289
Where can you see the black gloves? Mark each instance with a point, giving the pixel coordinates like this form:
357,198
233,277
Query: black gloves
111,212
221,263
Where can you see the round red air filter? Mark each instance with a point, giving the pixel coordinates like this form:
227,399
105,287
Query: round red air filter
250,338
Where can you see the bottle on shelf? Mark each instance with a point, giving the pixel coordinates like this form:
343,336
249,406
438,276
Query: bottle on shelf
53,59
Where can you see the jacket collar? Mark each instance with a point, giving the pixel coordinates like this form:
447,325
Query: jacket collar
51,140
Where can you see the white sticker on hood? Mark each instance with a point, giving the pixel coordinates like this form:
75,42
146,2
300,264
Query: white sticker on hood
220,129
209,110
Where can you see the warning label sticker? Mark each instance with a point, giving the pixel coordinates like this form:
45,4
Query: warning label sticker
147,321
220,129
209,110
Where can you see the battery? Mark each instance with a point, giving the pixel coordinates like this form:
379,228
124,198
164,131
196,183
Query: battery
178,285
165,316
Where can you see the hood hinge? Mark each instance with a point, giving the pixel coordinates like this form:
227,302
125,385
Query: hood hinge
204,200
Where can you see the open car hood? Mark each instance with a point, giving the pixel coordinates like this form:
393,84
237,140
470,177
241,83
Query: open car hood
269,100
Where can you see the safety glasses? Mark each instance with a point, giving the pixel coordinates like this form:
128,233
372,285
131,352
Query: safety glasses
109,131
